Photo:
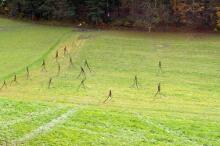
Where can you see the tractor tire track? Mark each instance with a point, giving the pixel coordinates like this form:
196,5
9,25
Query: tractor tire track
170,131
46,127
27,117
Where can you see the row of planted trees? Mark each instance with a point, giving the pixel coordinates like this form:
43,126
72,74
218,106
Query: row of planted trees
130,13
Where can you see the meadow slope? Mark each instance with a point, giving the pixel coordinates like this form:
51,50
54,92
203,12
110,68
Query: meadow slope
185,113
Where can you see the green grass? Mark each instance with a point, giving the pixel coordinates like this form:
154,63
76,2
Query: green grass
23,44
186,113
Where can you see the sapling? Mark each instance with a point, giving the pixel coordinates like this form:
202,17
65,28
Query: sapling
43,66
28,73
4,84
49,83
71,61
58,69
135,84
86,64
160,65
82,84
158,90
109,96
57,55
65,51
14,79
82,73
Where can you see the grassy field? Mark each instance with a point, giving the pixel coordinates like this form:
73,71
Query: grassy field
187,112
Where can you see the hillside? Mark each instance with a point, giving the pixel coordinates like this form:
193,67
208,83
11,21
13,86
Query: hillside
73,109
